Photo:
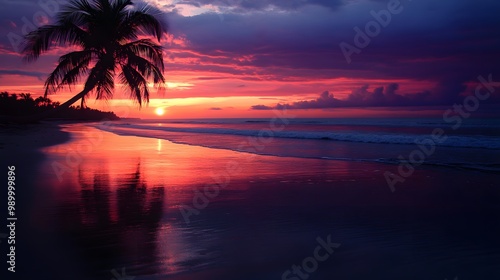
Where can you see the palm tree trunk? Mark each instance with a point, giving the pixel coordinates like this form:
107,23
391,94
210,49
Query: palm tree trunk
82,103
48,113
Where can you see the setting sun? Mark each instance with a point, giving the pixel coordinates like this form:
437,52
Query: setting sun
160,111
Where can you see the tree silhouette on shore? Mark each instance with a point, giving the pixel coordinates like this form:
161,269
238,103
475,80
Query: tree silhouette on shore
24,104
109,37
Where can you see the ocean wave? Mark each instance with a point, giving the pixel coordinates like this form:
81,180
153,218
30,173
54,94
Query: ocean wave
380,122
485,142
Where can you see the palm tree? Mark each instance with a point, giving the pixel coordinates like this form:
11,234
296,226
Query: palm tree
107,36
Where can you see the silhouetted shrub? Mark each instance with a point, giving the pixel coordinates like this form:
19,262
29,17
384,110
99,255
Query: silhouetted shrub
24,105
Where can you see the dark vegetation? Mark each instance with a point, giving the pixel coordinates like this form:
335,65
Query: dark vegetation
24,105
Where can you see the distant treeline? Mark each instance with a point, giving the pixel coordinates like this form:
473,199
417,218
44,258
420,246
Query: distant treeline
24,105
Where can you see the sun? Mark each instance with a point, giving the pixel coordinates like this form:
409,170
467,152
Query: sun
160,111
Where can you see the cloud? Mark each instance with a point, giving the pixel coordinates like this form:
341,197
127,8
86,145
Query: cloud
325,101
262,5
190,3
41,76
450,48
378,97
215,109
261,107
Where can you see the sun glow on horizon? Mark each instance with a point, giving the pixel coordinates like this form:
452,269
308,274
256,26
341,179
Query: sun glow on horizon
160,111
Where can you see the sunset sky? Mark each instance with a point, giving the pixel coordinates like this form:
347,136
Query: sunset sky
240,58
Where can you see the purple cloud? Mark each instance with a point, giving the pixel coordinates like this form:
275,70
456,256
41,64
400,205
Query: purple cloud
378,97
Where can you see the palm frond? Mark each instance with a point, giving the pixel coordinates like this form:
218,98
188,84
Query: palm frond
136,82
120,5
78,12
142,21
146,68
74,74
103,5
106,85
101,78
69,69
146,48
43,38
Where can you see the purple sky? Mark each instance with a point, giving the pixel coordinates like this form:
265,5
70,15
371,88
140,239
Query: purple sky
429,53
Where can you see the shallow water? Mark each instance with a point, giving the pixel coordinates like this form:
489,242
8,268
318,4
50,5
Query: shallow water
473,145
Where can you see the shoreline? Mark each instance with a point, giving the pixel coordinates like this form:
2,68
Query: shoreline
20,137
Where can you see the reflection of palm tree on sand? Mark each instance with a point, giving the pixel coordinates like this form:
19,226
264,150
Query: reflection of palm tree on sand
107,35
100,225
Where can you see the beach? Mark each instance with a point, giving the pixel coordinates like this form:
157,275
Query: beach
98,203
249,140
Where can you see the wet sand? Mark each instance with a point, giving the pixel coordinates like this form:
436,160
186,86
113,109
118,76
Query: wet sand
20,147
101,202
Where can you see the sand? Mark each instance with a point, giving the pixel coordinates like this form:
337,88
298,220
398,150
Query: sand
20,147
118,206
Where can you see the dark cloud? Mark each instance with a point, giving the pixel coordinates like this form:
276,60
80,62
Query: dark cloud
378,97
450,48
216,109
190,3
261,107
39,75
386,96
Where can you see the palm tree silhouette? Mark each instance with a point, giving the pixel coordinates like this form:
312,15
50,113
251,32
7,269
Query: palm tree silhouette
107,35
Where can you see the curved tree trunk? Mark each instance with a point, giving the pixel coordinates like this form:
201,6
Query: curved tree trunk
82,103
46,114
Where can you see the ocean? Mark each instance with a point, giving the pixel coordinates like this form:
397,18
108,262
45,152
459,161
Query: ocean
474,144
